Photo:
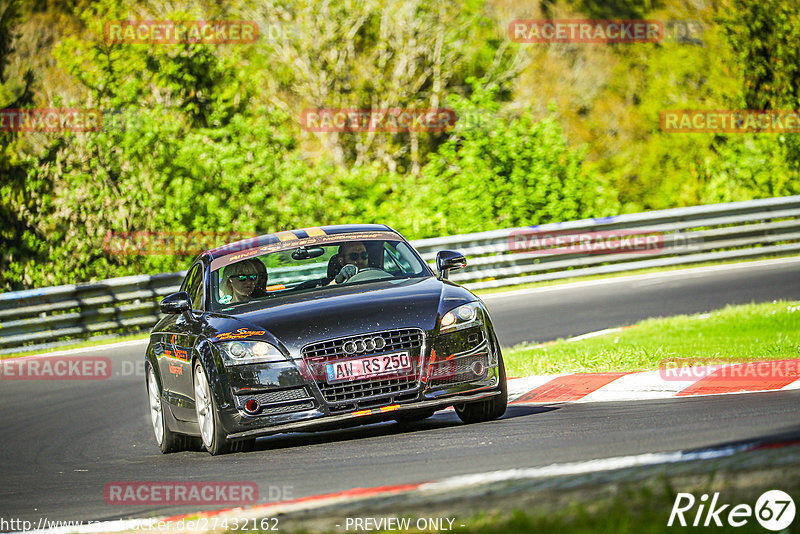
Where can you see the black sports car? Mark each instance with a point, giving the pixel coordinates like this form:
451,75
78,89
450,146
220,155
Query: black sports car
317,328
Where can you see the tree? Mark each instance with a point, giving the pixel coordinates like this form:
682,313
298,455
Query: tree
499,170
18,235
379,54
765,36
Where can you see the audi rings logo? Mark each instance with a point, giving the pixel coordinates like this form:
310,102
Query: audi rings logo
364,345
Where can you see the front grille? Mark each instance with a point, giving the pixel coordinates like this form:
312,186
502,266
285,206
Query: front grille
286,408
457,370
281,395
349,391
317,355
325,351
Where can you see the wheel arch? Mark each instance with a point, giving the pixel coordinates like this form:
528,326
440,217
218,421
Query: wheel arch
208,356
151,362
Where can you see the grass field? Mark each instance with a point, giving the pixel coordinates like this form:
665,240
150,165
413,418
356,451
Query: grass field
769,331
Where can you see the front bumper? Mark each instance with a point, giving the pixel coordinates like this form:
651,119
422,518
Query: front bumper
372,415
445,376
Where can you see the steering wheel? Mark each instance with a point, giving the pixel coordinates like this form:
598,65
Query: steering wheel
369,273
362,273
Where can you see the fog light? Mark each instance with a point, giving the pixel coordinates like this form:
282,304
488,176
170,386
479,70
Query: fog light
477,368
251,406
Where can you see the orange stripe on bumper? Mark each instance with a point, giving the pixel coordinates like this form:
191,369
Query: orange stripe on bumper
376,411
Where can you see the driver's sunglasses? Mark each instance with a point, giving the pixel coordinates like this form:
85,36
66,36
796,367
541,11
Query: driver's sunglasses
353,256
243,277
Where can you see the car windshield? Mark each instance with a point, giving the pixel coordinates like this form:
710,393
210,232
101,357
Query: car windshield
311,267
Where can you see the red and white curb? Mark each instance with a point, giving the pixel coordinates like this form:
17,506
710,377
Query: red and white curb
746,377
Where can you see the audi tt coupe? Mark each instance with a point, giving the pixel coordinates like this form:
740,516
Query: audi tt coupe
314,329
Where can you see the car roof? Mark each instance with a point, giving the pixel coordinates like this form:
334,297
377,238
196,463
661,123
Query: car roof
285,235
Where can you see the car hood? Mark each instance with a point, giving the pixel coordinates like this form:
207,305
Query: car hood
348,310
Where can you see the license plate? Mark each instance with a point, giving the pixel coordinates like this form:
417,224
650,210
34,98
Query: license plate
368,367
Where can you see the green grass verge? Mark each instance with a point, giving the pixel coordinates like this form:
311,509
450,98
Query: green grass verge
619,275
640,511
769,331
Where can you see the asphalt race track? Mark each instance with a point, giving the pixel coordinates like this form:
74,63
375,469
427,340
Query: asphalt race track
63,441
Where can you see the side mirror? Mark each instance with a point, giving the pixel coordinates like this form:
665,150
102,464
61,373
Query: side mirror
176,303
448,260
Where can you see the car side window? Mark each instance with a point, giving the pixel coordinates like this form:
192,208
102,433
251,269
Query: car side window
193,285
393,260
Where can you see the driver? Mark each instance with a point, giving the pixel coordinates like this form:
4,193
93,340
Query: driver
353,253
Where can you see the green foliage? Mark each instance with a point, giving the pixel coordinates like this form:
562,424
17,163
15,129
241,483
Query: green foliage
206,138
500,170
379,55
160,175
765,38
21,242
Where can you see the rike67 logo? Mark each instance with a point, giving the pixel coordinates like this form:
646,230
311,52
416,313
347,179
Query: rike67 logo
774,510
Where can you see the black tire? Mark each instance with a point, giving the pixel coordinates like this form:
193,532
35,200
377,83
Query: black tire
413,417
489,409
195,443
213,437
167,440
244,445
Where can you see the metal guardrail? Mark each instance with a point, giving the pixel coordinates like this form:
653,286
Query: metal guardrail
46,317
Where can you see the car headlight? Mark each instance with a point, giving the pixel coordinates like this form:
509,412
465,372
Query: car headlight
464,316
244,352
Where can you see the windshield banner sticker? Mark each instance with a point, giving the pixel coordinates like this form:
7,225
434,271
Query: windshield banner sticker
303,241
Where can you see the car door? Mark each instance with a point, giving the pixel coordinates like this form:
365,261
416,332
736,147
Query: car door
176,366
